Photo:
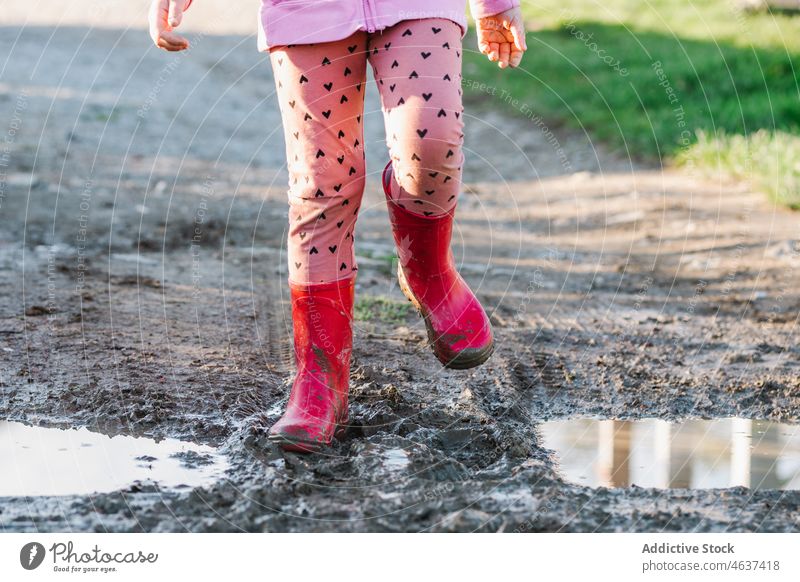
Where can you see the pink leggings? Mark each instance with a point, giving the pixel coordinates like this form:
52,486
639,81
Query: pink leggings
417,65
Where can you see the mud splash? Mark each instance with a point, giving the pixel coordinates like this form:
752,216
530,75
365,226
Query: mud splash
697,454
49,461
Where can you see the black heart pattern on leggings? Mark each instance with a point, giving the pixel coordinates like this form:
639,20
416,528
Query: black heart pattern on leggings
320,90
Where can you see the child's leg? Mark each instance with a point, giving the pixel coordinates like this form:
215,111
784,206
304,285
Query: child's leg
417,64
418,67
321,95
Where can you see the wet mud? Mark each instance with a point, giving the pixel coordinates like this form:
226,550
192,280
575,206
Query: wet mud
142,270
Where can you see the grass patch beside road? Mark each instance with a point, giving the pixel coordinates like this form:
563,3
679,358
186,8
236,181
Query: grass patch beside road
771,161
697,83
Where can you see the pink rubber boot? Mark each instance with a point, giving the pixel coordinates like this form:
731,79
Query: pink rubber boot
458,327
323,338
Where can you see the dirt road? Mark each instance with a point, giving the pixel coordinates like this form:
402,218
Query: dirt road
142,270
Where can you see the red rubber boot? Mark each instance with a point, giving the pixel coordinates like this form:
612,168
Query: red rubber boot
458,328
323,338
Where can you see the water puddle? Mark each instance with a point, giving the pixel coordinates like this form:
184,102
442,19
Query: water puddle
395,459
376,458
51,461
703,454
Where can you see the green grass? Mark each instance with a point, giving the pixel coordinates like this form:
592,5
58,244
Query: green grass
770,160
698,19
381,309
692,82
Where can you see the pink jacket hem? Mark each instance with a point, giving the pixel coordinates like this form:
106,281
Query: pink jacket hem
285,22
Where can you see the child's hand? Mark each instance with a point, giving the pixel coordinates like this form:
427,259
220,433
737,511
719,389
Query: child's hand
501,37
166,15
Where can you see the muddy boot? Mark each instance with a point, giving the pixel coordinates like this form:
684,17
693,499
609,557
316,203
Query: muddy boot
317,408
458,328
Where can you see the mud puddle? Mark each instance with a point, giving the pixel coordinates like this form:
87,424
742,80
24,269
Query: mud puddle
697,454
50,461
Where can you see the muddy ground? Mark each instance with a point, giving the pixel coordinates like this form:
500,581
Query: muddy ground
143,292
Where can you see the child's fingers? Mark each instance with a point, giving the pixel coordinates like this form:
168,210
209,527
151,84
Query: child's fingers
170,41
167,46
517,27
161,29
156,20
175,12
494,51
505,53
516,57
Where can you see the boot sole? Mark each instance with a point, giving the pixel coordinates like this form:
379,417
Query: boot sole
464,360
296,445
305,446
